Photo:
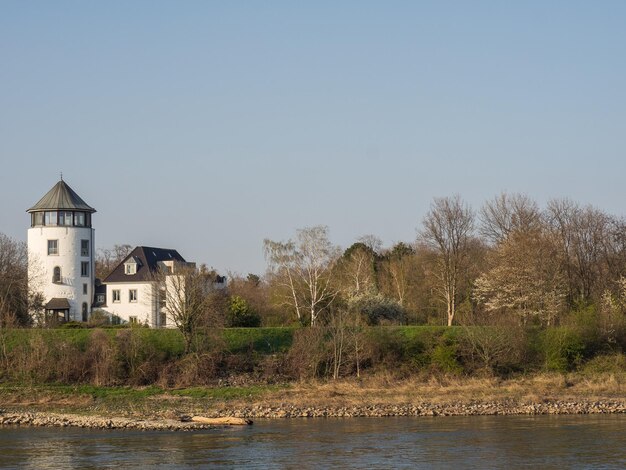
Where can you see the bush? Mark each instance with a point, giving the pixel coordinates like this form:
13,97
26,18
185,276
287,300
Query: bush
606,364
309,354
380,310
240,314
563,349
99,318
495,349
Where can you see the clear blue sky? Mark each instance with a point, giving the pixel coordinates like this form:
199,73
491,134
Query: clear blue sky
209,126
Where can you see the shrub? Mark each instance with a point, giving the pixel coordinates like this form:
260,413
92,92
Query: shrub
496,349
309,354
606,364
562,348
99,318
379,310
239,313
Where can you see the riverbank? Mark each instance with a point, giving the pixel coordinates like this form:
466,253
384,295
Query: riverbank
290,411
155,408
15,418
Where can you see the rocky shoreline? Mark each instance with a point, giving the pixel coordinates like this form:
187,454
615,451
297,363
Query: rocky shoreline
174,423
431,409
94,422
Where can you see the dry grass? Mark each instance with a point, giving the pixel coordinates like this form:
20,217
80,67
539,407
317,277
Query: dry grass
444,389
380,390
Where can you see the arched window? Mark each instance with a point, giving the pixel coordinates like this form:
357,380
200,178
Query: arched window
56,275
85,311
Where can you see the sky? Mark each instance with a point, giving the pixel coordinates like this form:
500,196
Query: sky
210,126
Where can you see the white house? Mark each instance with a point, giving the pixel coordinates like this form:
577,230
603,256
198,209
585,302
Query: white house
135,290
61,267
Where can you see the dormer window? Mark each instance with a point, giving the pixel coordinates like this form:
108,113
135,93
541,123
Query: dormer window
130,266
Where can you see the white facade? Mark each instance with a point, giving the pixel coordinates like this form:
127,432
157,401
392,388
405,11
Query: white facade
134,302
74,283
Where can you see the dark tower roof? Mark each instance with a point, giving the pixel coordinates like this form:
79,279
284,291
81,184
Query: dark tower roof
61,196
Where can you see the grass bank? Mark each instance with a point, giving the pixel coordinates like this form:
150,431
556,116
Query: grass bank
381,392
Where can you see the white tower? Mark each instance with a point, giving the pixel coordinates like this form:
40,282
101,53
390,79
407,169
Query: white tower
61,253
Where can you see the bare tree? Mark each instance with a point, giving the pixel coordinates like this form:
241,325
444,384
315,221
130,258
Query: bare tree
15,297
508,213
397,271
303,268
447,229
356,271
590,243
189,299
107,259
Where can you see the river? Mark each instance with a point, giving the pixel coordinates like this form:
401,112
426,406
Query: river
580,441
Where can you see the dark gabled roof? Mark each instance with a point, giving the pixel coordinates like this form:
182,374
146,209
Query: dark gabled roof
149,258
57,303
61,196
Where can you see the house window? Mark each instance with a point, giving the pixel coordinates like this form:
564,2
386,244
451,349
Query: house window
163,319
130,268
162,298
50,218
84,289
85,308
56,275
116,295
132,320
84,268
132,295
53,247
84,248
100,298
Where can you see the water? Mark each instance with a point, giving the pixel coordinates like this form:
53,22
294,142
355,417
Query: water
591,441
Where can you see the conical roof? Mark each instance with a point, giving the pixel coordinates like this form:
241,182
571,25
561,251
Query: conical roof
61,196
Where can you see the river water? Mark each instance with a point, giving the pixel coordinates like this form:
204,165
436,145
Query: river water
583,441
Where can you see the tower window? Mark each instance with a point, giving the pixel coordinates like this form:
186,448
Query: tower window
84,268
65,218
79,219
84,289
132,295
53,247
84,248
116,295
38,218
85,311
56,275
50,218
